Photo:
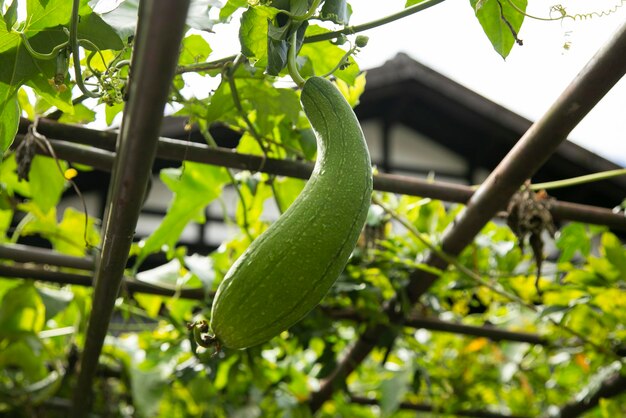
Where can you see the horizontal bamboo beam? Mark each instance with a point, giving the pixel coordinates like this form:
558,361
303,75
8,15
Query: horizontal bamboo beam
32,254
100,155
43,273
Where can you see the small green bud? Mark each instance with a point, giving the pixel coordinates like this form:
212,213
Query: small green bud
361,41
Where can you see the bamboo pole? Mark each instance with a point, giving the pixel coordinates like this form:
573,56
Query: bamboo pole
158,37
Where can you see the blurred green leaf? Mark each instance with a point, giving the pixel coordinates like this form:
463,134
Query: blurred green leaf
571,239
9,117
54,300
21,311
614,252
393,391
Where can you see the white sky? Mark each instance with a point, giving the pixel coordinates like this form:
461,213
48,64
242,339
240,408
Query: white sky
449,39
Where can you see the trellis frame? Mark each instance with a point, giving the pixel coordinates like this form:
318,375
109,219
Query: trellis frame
158,36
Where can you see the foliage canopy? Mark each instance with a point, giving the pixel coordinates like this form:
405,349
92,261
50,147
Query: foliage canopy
151,365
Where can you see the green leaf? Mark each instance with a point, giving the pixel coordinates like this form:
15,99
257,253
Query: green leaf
169,276
410,3
194,187
6,216
9,117
82,115
337,11
571,239
231,7
111,111
194,49
324,57
93,28
54,300
21,311
47,14
123,19
46,182
72,233
254,193
253,34
500,22
614,251
198,15
8,39
20,68
149,379
288,189
68,236
10,16
8,178
393,391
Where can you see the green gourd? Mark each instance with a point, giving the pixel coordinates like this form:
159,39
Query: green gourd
287,270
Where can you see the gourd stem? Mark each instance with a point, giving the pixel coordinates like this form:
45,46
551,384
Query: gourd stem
292,64
41,56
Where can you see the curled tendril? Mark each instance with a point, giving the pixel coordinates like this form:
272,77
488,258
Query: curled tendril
558,8
558,12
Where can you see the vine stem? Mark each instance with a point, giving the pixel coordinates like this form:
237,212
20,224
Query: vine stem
292,63
246,226
255,134
76,51
349,30
574,181
480,281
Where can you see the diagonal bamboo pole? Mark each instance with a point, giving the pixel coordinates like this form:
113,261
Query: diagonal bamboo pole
532,150
159,34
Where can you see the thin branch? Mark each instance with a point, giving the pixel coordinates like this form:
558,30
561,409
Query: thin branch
230,76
